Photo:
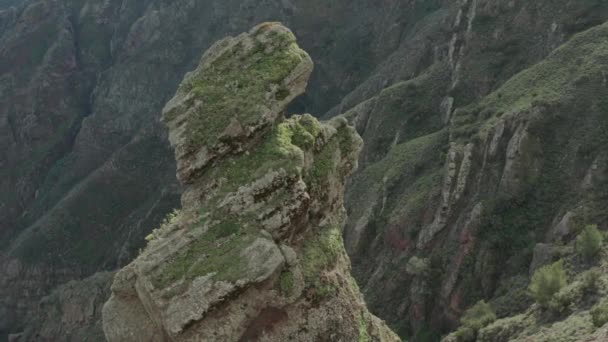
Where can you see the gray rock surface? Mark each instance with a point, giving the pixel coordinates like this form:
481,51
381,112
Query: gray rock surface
255,252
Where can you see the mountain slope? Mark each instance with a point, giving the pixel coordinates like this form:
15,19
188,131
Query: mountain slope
419,79
455,214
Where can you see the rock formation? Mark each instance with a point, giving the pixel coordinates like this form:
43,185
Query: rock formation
438,213
255,252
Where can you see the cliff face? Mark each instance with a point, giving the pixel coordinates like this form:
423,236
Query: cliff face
491,150
255,252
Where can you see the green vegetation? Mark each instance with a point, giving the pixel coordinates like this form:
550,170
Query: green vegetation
363,334
574,293
426,333
286,283
532,327
511,296
325,160
236,84
320,252
281,148
599,314
84,233
406,109
589,242
218,251
591,281
508,222
503,328
323,165
323,290
417,266
412,170
546,282
168,221
304,130
554,80
474,319
40,42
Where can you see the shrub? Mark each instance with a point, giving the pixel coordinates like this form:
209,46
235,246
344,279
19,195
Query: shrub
477,317
546,282
575,292
599,314
591,281
563,299
589,242
417,266
465,334
167,222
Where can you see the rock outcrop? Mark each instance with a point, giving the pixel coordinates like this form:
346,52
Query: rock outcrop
255,252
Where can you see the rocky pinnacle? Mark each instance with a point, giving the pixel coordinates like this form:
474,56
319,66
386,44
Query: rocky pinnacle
256,251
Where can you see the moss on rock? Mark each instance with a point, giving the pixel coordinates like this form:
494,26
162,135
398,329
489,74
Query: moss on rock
239,82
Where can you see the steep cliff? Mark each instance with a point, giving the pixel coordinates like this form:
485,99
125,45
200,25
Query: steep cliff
255,252
494,148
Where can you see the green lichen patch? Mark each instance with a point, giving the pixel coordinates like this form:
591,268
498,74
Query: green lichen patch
236,85
286,283
218,251
530,327
599,314
305,130
320,290
362,328
320,252
170,220
339,149
323,166
474,319
280,149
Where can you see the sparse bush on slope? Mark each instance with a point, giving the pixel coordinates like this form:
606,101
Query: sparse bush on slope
546,282
477,317
589,242
599,314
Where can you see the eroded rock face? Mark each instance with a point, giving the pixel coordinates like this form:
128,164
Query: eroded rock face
474,190
256,251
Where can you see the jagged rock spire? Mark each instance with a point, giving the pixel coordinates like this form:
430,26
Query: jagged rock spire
256,251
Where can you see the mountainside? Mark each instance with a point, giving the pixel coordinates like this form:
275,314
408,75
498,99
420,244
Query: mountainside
85,168
483,124
464,169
